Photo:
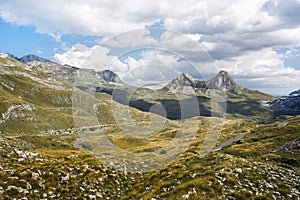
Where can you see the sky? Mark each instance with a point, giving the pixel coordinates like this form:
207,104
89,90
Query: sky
149,42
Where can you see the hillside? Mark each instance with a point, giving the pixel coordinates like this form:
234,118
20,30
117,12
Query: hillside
80,134
257,167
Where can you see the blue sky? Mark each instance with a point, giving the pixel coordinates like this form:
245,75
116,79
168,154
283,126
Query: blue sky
257,42
23,40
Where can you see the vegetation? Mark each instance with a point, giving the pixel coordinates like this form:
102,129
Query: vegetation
45,154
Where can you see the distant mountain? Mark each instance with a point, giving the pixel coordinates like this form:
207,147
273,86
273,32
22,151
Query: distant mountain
31,57
287,105
66,72
109,76
221,81
241,101
24,59
295,93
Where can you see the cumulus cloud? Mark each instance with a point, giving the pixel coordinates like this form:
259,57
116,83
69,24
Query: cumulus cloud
285,10
236,25
263,70
96,57
154,67
136,38
239,35
84,17
125,54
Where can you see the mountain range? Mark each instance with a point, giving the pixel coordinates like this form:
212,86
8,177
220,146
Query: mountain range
50,150
103,81
24,59
47,87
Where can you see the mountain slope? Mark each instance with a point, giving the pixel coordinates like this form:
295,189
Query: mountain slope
239,101
286,105
37,96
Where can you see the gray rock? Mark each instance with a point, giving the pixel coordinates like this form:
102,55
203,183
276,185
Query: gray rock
295,144
109,76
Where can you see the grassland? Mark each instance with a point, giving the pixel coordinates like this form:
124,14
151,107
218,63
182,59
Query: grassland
254,168
38,130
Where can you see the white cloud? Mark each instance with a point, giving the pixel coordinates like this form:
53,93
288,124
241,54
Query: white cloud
155,67
235,33
136,38
96,57
263,70
88,17
243,24
114,17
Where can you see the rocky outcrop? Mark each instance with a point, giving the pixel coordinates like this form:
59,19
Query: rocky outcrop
184,80
63,71
291,102
286,105
295,93
295,144
109,76
221,81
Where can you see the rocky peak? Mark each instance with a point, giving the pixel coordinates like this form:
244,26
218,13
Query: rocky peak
31,57
109,76
184,80
221,81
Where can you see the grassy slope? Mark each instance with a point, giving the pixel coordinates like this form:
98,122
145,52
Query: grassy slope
215,176
250,170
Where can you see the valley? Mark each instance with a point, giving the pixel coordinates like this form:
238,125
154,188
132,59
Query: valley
69,133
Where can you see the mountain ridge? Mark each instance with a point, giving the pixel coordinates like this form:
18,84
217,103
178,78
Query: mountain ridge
222,81
32,57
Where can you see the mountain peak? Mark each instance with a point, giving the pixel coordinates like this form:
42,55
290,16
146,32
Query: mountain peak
187,76
222,80
184,80
109,76
31,57
223,73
